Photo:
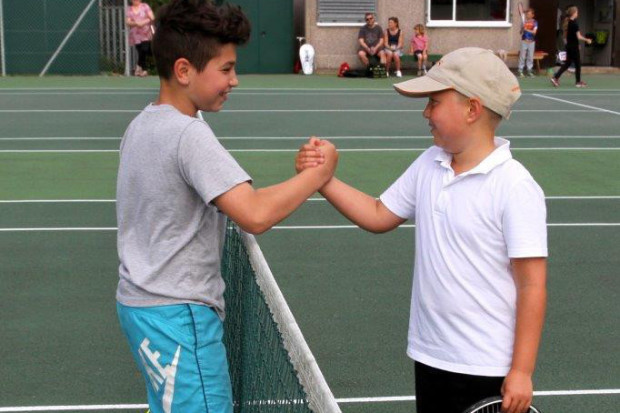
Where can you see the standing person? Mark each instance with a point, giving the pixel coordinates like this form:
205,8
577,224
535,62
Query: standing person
139,20
419,47
528,43
176,185
393,45
573,36
370,39
479,292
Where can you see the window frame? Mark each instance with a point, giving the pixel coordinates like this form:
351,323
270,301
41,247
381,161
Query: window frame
320,23
468,23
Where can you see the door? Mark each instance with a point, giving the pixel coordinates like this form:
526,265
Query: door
546,38
271,47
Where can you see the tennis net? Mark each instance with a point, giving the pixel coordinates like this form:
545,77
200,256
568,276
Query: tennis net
271,367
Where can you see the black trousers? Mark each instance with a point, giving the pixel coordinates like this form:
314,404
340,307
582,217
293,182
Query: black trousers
439,391
144,49
572,56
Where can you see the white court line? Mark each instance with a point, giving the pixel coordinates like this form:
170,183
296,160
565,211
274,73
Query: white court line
321,227
274,89
306,92
583,197
58,229
578,94
92,407
63,138
78,93
73,151
53,201
70,88
286,227
234,93
592,110
59,151
291,138
85,201
386,399
578,104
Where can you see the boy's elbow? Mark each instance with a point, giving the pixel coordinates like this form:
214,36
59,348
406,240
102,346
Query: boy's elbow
255,224
376,229
254,227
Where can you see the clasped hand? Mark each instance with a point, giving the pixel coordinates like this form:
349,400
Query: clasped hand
317,153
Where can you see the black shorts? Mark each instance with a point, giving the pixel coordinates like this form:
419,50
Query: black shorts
440,391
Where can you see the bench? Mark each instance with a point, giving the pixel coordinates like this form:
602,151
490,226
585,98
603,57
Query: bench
432,58
538,56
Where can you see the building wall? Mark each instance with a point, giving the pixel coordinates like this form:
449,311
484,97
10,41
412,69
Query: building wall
334,45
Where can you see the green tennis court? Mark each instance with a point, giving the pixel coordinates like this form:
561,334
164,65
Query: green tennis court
61,347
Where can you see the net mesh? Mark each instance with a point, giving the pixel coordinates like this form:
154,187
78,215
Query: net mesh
271,367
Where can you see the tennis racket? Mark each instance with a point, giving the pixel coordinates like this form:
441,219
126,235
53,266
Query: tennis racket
492,405
522,13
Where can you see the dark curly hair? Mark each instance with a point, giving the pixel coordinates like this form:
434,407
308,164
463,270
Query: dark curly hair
195,30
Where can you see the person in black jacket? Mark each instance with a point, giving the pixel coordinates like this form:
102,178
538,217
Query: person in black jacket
572,37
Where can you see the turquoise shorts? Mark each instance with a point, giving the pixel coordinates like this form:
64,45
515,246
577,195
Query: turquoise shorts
179,350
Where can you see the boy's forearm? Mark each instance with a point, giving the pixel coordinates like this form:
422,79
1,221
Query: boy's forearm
531,305
257,210
530,319
276,202
362,209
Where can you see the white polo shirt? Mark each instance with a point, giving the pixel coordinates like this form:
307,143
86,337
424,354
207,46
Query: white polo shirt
463,305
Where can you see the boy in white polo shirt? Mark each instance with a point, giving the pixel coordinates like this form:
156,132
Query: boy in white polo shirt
479,292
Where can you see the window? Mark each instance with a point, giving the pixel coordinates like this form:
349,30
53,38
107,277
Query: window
468,13
344,12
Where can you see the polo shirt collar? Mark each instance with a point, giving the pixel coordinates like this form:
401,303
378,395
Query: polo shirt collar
500,155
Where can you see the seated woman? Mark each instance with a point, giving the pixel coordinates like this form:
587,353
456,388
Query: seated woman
393,40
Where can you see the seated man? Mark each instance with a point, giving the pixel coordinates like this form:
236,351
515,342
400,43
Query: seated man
370,39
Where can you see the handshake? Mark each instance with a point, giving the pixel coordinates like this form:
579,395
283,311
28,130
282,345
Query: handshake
320,154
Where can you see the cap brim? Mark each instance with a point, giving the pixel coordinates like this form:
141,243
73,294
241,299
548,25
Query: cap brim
420,87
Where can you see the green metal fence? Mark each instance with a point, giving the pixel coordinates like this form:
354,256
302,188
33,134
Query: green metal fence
63,37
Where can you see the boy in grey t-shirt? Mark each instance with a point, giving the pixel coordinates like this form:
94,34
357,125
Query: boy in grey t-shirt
176,184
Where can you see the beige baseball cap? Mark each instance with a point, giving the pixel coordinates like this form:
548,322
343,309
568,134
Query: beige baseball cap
472,71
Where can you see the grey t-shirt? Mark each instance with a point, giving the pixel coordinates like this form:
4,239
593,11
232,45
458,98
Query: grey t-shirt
371,35
170,235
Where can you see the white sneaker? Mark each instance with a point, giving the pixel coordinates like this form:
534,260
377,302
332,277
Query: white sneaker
424,71
399,74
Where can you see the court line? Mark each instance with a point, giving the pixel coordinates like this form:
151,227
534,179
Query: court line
578,94
577,104
73,151
274,89
345,400
80,93
285,227
85,201
63,138
257,92
92,407
57,229
321,227
592,110
289,138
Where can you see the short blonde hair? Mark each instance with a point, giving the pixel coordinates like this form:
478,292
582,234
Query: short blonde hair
420,28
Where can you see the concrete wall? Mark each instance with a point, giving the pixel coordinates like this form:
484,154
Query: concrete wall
334,45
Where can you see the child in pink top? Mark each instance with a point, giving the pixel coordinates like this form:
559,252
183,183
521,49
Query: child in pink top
419,47
139,19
